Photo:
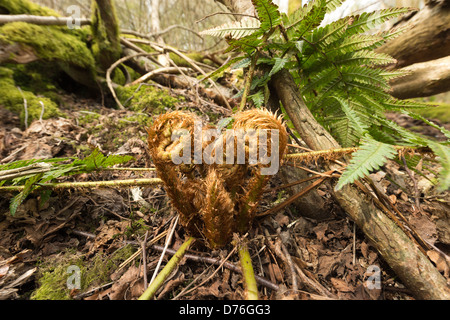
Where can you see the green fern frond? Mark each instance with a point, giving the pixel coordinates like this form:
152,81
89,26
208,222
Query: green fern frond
305,19
353,43
443,152
365,57
18,199
394,104
318,80
332,5
279,64
368,21
234,29
342,129
324,36
370,156
268,14
364,75
258,98
355,121
428,122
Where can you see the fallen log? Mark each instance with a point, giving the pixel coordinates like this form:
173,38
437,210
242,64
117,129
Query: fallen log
427,36
424,79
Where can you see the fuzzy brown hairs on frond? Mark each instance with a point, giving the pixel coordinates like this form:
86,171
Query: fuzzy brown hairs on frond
221,198
181,193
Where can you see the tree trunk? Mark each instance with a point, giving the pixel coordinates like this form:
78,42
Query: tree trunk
427,38
425,79
156,27
105,29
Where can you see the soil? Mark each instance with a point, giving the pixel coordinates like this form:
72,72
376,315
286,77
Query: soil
97,230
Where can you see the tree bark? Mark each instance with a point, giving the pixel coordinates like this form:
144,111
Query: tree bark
105,29
16,53
156,27
427,38
425,79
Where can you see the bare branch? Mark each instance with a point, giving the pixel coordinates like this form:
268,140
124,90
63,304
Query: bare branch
42,20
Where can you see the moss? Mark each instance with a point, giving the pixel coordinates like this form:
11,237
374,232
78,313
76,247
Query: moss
147,99
193,55
105,31
25,7
49,43
12,99
53,272
141,120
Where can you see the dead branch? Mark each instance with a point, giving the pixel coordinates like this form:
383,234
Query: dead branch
427,37
112,67
43,20
423,79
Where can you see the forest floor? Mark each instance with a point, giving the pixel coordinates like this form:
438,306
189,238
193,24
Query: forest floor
101,231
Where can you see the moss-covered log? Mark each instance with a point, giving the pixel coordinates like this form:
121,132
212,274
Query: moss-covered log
24,42
13,99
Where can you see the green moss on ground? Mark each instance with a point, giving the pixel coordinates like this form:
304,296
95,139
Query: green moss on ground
12,99
53,273
146,99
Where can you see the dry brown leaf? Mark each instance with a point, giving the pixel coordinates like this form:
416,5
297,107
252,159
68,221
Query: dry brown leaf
121,286
341,285
440,261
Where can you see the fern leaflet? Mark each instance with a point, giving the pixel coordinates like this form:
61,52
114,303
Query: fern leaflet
370,156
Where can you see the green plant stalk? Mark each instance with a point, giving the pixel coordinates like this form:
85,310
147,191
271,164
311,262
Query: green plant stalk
149,293
248,81
88,184
249,78
251,286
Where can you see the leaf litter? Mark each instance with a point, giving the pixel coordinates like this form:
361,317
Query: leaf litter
101,229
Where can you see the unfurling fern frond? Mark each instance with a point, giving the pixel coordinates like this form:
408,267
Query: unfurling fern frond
370,156
234,29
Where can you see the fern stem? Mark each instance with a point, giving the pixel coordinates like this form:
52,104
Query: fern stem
149,293
248,81
331,154
87,184
249,78
127,169
251,286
